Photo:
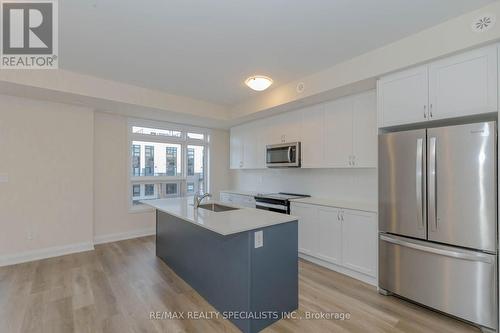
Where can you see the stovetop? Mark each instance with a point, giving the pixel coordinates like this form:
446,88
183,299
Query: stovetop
282,196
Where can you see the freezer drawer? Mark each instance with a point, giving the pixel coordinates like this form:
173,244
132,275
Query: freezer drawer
452,280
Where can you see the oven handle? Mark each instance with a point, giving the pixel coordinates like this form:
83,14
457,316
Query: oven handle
268,205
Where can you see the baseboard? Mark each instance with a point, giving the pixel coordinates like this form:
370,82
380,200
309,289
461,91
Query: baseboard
45,253
340,269
102,239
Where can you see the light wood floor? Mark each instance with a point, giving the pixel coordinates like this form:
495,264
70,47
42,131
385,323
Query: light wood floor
114,288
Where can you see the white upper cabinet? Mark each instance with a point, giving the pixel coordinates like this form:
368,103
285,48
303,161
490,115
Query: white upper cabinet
364,136
283,128
338,133
465,84
403,97
461,85
236,148
313,136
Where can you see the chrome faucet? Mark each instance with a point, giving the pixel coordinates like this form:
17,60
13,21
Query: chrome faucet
198,198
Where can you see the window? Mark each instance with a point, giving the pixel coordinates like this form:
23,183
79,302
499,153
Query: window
149,190
136,160
195,169
196,136
149,162
166,160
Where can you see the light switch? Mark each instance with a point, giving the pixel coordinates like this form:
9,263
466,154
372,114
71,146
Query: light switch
4,178
258,239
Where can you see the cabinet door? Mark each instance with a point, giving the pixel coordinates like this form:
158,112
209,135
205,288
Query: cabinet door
464,84
365,130
359,241
236,148
284,128
329,235
313,136
403,97
250,145
338,133
308,229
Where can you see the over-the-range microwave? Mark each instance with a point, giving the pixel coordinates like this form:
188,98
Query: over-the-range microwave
283,155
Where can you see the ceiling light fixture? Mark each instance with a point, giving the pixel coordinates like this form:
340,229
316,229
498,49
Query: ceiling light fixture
258,82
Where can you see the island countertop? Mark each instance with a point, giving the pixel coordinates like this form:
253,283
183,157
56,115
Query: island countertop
224,223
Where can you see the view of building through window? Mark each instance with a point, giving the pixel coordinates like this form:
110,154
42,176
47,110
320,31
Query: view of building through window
173,161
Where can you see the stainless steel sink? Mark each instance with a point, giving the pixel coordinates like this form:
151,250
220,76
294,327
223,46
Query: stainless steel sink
216,207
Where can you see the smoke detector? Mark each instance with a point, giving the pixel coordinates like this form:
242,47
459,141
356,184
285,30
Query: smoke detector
483,23
300,87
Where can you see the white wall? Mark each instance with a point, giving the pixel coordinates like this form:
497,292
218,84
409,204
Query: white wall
219,162
342,184
111,206
47,151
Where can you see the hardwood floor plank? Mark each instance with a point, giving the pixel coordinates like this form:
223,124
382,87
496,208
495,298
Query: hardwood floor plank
115,287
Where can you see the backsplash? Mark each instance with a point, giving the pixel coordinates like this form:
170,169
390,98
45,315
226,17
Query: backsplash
341,184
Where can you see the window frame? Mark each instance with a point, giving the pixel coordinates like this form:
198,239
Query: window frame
184,141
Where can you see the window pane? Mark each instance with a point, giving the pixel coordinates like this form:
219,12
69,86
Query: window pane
149,190
156,159
195,169
156,131
171,189
136,160
197,136
154,191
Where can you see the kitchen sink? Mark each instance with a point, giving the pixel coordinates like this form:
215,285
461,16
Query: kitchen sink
216,207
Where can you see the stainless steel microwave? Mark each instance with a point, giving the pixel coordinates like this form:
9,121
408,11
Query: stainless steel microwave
283,155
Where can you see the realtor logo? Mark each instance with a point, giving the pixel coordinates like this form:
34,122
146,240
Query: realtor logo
29,34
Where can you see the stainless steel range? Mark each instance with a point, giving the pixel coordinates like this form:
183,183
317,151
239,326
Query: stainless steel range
277,202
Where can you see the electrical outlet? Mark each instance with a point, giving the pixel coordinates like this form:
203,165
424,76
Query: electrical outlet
30,235
258,239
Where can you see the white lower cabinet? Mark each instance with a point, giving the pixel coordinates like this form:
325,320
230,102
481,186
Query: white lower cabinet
329,235
359,241
307,228
343,237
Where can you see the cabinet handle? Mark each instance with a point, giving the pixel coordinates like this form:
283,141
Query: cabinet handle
342,216
425,111
338,216
430,109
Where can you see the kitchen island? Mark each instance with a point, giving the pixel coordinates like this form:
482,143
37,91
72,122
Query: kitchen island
243,261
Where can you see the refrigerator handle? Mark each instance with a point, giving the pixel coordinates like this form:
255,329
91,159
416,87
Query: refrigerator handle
464,255
419,182
432,185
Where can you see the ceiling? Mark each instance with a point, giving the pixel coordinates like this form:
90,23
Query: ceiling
206,49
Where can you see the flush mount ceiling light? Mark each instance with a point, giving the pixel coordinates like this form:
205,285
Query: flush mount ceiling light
258,82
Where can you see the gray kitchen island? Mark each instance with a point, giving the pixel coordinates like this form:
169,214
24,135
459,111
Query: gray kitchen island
243,261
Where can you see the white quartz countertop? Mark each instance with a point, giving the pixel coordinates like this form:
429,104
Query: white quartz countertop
328,202
224,223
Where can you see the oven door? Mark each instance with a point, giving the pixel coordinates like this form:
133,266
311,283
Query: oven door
272,207
283,155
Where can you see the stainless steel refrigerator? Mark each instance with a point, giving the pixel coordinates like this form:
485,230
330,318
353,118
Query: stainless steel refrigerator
438,219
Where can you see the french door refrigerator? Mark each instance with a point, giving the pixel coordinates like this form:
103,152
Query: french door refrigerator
437,219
